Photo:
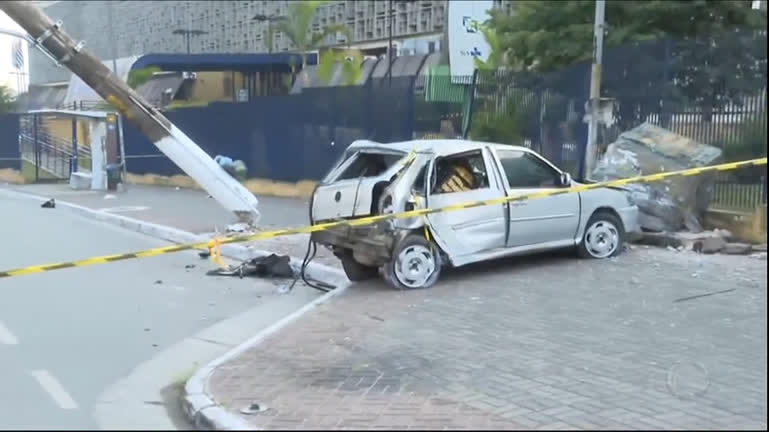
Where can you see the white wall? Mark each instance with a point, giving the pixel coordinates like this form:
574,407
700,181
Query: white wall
7,71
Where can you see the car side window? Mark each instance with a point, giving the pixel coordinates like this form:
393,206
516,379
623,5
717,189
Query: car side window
459,173
526,171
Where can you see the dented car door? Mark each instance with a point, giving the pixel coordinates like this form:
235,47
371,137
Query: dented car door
471,230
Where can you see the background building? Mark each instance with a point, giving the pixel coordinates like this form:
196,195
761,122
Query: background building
14,64
118,29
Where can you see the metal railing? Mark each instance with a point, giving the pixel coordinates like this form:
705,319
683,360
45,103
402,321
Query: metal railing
53,155
738,196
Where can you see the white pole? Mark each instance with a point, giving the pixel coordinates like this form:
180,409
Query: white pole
595,89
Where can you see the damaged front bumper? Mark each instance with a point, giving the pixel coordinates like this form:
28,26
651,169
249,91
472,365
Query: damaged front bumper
370,244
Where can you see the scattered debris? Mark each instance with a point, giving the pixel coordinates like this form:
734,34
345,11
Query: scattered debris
238,228
204,254
267,266
189,266
706,242
146,329
51,203
667,205
374,317
709,245
158,282
254,408
704,295
759,255
660,240
109,196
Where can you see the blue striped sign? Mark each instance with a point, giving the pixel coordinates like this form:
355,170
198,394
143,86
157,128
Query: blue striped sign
17,55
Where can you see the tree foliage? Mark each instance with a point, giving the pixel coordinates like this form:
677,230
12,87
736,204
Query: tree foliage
660,56
138,77
350,62
495,59
297,27
545,35
7,101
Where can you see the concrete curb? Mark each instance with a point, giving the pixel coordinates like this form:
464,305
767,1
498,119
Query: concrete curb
201,409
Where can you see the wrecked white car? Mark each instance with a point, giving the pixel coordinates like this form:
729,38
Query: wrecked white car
373,178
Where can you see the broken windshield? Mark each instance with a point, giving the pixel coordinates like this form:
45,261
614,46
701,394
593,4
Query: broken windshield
370,164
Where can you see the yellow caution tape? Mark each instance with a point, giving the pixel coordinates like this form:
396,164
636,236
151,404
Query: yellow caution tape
216,253
214,244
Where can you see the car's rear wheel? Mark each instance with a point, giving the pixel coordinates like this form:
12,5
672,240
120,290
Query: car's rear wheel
603,237
416,263
356,271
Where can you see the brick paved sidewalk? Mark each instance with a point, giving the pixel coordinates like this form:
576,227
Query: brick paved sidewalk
549,342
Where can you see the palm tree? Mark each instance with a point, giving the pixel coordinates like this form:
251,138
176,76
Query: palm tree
297,28
496,56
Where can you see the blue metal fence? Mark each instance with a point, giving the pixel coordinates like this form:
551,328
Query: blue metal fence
9,142
286,138
541,111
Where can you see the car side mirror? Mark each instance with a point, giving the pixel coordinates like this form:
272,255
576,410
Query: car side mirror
565,179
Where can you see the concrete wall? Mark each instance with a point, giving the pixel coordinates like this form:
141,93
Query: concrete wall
140,27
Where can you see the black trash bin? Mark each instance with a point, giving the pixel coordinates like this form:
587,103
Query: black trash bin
114,176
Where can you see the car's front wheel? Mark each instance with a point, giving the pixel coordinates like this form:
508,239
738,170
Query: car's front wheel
416,263
603,237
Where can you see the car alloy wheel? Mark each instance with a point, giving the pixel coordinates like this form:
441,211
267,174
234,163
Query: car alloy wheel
602,239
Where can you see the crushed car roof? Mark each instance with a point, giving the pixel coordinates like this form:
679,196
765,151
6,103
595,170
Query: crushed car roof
437,146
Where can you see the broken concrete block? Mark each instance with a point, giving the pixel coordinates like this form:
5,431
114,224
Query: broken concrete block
659,239
667,205
737,249
709,245
688,239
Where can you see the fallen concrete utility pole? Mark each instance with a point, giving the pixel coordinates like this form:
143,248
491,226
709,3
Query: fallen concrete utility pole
49,38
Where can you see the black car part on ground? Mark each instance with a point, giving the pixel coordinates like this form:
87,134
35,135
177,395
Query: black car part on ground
274,266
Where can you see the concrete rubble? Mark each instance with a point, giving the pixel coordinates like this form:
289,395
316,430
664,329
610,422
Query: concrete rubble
669,205
704,242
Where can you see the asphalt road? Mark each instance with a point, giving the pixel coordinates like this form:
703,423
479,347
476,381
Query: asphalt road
67,335
186,209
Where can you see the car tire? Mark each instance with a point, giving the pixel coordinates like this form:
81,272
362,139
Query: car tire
604,236
423,257
356,271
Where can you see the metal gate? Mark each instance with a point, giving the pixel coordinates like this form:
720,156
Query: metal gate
46,157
